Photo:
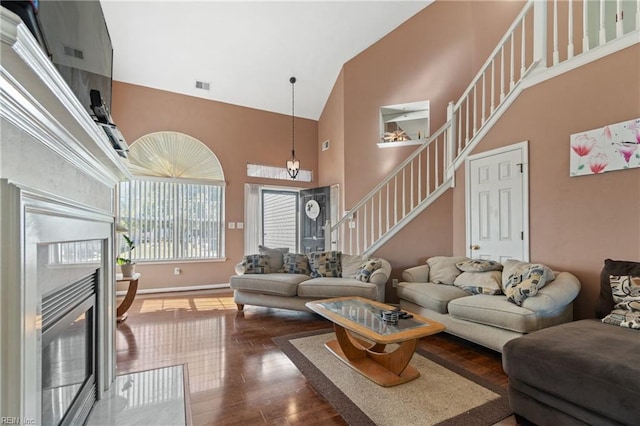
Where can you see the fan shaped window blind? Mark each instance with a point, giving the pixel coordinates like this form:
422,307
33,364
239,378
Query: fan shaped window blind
174,206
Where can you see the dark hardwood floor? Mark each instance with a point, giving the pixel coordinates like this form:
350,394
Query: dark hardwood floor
237,375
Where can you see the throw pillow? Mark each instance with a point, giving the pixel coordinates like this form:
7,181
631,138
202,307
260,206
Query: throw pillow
276,256
366,269
525,281
351,263
325,264
626,295
616,268
296,263
513,266
256,264
488,282
622,318
443,270
479,265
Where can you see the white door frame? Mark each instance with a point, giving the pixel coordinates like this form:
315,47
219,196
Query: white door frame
524,148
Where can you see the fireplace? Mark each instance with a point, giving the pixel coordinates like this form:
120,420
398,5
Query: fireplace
58,174
64,307
69,352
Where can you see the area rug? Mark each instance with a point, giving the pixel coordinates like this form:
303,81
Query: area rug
444,394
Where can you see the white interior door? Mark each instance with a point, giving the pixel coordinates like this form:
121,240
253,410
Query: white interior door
497,204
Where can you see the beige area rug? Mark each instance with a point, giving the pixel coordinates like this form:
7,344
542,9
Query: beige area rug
440,396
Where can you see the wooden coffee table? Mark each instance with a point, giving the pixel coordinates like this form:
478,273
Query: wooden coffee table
362,336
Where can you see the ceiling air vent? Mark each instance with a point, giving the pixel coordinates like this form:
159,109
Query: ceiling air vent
203,85
76,53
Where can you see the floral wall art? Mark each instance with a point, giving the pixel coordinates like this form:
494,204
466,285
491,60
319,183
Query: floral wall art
612,147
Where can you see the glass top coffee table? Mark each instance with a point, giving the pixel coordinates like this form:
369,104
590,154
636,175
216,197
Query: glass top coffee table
362,336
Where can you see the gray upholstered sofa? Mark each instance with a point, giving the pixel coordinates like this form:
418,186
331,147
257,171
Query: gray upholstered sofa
489,320
293,290
580,373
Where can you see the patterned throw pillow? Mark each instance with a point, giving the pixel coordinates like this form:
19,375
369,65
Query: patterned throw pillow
488,282
256,264
626,295
325,264
525,280
366,269
478,265
296,263
276,256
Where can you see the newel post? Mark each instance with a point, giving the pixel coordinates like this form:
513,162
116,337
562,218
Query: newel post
540,33
451,141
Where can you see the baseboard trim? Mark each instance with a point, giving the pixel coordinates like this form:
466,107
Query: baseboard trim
176,289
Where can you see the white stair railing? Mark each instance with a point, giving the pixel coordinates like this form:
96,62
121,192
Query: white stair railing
523,51
398,198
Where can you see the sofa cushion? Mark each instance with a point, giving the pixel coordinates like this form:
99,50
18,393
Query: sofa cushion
366,269
256,264
336,287
351,263
613,267
325,264
443,270
523,280
495,311
587,363
479,265
429,295
276,257
296,263
278,284
488,282
626,295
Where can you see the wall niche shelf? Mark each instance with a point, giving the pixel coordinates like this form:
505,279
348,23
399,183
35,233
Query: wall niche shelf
399,144
404,124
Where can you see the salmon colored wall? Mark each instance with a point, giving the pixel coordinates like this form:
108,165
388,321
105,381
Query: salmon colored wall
237,135
575,223
331,128
432,56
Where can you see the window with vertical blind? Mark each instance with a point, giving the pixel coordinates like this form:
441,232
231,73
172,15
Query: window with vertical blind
174,207
172,220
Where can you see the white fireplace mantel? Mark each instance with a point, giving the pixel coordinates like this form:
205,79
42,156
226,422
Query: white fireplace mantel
54,160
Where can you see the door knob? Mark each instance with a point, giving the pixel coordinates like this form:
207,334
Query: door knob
474,247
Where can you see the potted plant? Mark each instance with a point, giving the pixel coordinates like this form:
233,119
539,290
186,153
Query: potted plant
126,266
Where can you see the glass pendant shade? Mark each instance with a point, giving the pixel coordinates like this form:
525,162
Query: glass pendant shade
293,165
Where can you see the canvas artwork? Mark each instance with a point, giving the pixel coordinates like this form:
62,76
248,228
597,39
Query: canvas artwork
609,148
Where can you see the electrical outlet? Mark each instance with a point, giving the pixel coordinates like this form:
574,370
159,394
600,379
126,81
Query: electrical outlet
177,271
394,282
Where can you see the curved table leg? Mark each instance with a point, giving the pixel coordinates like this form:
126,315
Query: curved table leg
370,360
121,310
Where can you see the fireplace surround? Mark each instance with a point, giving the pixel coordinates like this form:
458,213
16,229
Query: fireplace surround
58,174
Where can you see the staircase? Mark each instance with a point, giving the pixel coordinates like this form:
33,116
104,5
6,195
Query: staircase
524,57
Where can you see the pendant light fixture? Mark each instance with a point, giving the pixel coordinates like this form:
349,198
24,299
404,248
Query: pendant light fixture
293,164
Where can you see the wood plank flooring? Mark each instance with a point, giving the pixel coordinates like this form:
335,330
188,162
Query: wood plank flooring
237,375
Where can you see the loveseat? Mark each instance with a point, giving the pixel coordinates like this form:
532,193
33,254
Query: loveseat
472,303
583,372
300,278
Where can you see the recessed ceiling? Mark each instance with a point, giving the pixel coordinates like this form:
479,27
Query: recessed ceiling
246,51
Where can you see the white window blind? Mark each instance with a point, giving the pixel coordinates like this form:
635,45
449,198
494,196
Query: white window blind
173,220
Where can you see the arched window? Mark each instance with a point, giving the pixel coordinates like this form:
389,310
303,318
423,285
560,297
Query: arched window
174,206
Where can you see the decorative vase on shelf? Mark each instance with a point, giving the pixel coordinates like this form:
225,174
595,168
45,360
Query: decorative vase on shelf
128,269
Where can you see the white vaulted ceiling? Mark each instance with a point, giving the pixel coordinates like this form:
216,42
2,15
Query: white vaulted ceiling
247,50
